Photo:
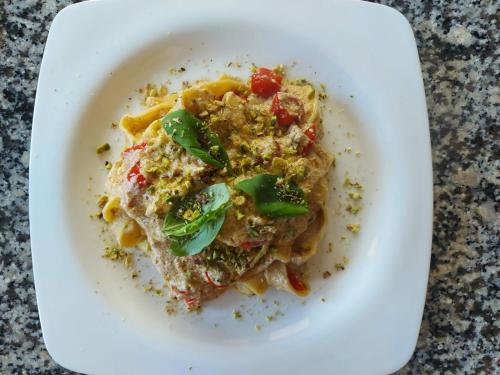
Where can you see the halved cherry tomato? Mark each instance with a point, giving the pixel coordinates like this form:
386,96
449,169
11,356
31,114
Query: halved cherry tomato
265,82
286,108
135,176
295,282
138,146
210,281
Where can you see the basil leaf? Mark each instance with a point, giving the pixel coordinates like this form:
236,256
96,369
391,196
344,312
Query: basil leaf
196,138
191,245
189,214
273,196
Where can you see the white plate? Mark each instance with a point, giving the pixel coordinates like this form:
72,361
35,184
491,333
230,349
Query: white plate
95,319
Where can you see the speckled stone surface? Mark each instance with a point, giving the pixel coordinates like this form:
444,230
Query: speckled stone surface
458,44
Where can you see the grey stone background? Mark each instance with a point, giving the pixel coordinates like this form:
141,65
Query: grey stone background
458,46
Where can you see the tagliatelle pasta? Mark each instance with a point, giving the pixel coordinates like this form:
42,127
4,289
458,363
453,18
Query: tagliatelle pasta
227,183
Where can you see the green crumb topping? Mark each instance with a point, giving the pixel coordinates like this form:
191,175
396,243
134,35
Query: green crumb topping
353,210
108,165
239,200
341,266
102,200
349,183
238,214
354,228
237,315
103,148
354,195
117,254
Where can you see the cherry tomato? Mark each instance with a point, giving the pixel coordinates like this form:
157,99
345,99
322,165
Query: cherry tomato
265,82
138,146
311,132
286,108
210,281
135,176
295,282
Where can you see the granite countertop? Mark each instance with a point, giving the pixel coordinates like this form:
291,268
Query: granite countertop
458,46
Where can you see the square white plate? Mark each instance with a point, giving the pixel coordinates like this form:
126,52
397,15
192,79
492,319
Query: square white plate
96,320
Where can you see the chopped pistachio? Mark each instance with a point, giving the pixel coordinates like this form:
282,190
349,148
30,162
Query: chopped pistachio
326,274
108,165
354,195
279,69
353,210
103,148
239,200
239,215
339,267
102,200
354,228
354,184
117,254
237,314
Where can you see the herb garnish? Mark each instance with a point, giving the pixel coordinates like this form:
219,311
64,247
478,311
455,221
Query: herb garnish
194,222
196,138
274,196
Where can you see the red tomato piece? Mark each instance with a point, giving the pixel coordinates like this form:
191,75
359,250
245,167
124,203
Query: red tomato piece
282,115
138,146
306,150
135,176
265,82
295,282
278,148
311,132
210,281
287,108
183,292
248,245
192,303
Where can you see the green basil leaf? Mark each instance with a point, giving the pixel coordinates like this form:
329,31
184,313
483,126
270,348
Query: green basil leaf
273,196
191,245
196,138
189,214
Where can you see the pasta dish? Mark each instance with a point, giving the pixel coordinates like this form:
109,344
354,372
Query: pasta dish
226,182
